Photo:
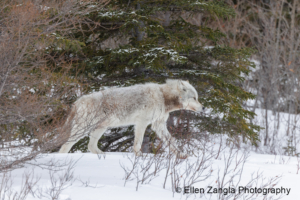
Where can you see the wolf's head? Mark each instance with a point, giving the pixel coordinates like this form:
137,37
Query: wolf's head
188,96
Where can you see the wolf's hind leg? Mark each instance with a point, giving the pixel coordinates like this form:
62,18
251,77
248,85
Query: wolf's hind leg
94,137
73,138
66,147
138,138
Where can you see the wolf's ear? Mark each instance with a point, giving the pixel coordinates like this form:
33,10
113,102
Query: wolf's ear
181,84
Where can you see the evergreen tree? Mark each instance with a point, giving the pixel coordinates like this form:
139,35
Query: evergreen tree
156,40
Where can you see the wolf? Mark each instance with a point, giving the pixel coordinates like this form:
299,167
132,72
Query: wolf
138,105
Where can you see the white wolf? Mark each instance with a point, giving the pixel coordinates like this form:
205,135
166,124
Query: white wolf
138,105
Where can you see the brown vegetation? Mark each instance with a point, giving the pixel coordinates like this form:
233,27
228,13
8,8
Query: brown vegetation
35,85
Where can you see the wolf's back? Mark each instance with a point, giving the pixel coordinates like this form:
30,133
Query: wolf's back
125,101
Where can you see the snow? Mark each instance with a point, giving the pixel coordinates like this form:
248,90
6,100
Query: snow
257,65
32,90
281,127
199,3
44,8
104,177
116,14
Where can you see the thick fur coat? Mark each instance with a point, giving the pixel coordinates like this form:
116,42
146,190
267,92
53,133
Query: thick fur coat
138,105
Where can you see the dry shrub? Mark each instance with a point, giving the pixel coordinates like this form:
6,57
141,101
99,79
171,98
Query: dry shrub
38,77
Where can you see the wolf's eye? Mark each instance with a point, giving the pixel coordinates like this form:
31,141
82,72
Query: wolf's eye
195,98
184,90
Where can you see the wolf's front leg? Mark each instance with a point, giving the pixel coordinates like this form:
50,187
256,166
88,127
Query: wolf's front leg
139,132
94,138
162,132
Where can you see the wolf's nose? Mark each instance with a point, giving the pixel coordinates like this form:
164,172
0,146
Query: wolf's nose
203,108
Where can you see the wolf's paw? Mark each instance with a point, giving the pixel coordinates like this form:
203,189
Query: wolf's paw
139,153
181,155
96,151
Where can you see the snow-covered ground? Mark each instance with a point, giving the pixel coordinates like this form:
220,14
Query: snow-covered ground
104,177
96,178
283,131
